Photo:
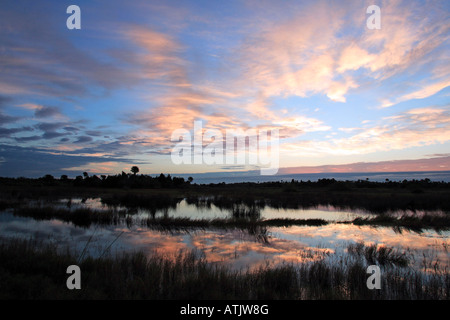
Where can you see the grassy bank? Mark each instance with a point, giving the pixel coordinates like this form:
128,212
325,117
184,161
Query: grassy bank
32,270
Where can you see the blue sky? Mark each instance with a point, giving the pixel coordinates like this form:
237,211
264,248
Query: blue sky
110,95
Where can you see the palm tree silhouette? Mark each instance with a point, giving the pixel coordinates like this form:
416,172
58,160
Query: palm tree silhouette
134,169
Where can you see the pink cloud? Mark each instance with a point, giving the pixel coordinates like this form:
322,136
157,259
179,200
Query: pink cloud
429,164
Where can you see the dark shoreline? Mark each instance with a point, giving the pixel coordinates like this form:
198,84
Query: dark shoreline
130,190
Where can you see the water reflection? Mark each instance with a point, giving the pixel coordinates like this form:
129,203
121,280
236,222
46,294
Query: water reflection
205,208
234,246
338,236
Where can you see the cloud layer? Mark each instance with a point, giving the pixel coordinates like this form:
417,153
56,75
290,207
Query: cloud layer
119,87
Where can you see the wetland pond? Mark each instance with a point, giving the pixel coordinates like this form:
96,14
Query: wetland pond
233,246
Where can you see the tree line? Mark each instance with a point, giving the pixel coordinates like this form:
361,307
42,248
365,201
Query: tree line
122,180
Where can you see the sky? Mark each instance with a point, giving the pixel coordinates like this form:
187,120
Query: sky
130,85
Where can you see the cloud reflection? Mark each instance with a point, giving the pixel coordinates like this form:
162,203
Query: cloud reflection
296,244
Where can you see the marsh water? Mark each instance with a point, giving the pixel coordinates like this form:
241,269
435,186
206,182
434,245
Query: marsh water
232,246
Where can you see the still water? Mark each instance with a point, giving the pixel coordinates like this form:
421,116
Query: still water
232,246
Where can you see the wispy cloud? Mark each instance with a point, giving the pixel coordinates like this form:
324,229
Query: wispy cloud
413,128
316,52
17,162
47,112
39,59
424,91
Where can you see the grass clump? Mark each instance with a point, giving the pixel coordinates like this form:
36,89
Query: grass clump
380,255
82,217
416,223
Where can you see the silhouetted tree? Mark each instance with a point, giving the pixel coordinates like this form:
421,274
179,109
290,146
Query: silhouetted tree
48,177
134,169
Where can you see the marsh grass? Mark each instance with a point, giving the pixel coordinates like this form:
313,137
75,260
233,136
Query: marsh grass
36,270
139,200
415,223
82,217
380,255
254,227
242,223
